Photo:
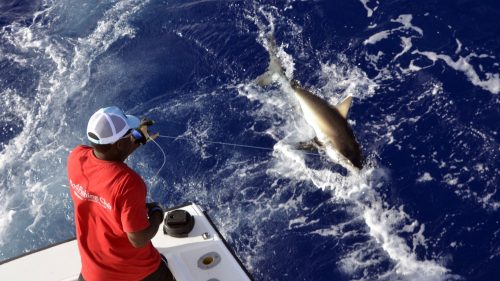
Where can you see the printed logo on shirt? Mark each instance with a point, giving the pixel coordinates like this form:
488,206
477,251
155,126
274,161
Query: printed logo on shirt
83,194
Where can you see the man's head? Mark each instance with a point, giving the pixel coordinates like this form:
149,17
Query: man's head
109,131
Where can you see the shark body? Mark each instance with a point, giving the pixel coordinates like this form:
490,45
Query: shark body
329,122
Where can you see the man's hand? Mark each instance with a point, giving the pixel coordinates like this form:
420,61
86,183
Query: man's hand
142,238
155,209
146,122
144,128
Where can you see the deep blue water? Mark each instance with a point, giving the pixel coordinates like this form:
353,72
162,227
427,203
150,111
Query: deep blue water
425,80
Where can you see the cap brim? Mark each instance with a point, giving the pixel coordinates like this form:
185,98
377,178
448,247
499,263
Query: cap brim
133,122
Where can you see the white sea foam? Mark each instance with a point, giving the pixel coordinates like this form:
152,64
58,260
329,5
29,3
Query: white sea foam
31,161
6,218
369,11
382,224
405,20
462,64
489,202
345,79
490,82
459,46
450,179
377,37
406,44
425,177
409,32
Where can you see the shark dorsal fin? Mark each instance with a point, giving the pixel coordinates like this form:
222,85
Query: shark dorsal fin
344,106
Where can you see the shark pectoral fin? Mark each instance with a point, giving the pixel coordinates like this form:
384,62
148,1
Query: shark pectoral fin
310,145
295,84
344,106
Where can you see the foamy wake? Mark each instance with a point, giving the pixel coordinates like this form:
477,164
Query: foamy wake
32,164
385,223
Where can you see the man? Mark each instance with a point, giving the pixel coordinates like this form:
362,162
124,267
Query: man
114,225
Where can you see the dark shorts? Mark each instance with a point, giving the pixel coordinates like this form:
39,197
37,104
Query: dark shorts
160,274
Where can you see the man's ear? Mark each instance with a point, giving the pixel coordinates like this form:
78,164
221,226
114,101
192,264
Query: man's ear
117,145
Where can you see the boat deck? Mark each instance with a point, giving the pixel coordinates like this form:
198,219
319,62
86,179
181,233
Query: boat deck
201,256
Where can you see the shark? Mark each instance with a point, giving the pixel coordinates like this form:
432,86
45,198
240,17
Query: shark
328,122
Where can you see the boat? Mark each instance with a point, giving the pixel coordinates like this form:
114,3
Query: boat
188,238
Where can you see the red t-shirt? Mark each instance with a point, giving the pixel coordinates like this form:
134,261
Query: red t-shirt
109,200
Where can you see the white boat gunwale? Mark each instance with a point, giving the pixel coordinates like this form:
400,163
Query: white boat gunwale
197,207
37,250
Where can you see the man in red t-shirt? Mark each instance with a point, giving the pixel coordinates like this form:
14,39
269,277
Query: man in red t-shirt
114,225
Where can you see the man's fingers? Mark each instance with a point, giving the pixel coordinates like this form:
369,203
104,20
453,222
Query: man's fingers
147,122
153,136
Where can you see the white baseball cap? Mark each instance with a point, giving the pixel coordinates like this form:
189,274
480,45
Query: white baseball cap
110,124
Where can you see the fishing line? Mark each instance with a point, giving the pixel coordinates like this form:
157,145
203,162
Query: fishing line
231,144
221,143
212,142
164,157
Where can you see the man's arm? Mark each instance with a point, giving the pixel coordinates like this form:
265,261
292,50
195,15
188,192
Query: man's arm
141,238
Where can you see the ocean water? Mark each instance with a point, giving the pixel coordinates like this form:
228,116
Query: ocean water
425,80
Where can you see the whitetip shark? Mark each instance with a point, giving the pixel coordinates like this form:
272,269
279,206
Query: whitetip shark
329,122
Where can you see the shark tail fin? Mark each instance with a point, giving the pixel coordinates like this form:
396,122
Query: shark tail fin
344,106
265,79
274,71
